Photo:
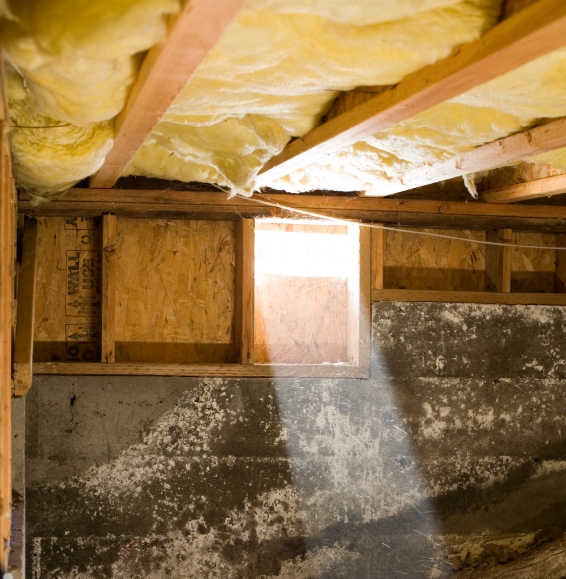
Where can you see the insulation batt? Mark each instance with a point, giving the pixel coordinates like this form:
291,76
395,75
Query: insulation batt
77,60
272,76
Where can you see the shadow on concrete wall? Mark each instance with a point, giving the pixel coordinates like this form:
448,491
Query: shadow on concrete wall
458,432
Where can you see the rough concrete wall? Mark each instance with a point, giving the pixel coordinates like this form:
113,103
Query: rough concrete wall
451,456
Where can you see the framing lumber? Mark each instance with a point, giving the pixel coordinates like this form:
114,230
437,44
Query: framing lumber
108,305
498,261
23,348
377,250
359,307
536,189
7,270
210,370
394,212
535,141
525,36
165,71
464,297
244,300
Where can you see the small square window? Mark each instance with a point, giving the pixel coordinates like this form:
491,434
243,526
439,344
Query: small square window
307,293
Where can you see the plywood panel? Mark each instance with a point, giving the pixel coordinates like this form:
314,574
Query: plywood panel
533,270
175,284
67,309
426,263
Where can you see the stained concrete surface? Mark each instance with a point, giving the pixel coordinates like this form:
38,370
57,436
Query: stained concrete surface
450,458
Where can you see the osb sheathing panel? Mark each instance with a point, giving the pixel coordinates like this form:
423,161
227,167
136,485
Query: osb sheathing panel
434,263
533,270
175,291
67,303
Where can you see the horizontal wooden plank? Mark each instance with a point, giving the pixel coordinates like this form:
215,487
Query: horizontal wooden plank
542,139
395,212
525,36
229,370
464,297
547,187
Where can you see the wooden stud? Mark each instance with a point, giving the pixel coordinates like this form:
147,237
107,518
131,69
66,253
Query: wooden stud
23,350
228,370
398,212
536,189
7,271
108,311
560,273
244,341
525,36
165,71
464,297
359,318
377,250
498,261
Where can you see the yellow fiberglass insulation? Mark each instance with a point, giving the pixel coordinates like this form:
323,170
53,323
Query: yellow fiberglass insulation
506,105
272,76
78,60
278,67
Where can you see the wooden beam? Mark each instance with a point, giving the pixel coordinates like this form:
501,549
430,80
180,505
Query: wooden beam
244,312
229,370
165,71
542,139
465,297
395,212
547,187
525,36
498,261
25,321
108,309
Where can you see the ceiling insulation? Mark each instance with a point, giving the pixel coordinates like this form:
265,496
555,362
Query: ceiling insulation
272,76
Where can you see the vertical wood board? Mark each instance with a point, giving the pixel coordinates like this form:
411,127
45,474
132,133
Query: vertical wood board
23,346
108,311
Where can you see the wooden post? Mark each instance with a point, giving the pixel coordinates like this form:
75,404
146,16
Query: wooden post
560,273
7,270
23,351
498,261
377,250
108,310
244,292
359,297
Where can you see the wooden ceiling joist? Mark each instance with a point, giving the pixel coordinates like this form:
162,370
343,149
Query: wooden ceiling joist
395,212
165,71
536,141
536,189
525,36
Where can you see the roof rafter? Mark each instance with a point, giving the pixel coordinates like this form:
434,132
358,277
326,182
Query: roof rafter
555,185
165,71
536,141
525,36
